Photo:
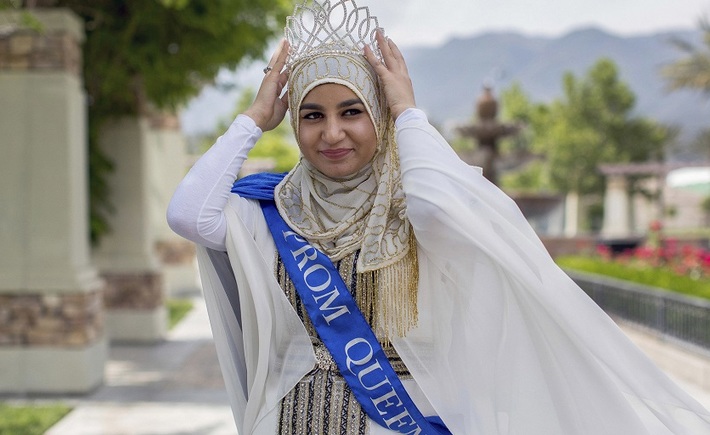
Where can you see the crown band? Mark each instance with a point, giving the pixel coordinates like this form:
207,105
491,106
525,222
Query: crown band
325,27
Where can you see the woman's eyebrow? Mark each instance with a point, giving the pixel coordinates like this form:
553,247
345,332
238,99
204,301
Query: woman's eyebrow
348,103
342,104
311,106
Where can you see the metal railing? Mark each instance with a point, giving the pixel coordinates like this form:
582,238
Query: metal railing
681,317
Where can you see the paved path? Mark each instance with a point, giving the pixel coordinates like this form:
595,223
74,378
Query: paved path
691,370
175,388
171,388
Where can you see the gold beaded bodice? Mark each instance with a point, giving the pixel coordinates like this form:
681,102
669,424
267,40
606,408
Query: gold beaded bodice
322,402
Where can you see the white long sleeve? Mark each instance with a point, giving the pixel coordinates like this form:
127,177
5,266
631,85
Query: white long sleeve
196,210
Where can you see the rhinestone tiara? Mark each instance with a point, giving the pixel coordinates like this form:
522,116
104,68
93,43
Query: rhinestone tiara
324,27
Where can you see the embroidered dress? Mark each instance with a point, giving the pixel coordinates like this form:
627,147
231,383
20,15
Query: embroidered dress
322,402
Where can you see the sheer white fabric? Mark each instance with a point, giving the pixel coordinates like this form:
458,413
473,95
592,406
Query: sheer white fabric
506,343
520,348
263,347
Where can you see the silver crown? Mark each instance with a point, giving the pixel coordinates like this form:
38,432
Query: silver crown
325,27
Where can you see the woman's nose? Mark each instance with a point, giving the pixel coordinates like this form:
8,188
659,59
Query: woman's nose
333,131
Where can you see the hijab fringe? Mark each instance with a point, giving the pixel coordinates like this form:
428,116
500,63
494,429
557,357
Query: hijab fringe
395,296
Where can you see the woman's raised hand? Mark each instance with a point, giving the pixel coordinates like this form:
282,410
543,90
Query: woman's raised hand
268,110
393,75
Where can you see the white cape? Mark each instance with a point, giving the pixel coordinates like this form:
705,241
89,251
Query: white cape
506,343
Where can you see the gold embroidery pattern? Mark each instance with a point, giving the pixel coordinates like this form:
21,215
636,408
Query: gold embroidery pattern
322,402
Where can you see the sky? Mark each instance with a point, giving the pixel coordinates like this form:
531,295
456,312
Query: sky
429,22
433,22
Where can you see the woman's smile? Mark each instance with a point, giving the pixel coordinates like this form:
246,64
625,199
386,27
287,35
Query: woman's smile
336,154
335,132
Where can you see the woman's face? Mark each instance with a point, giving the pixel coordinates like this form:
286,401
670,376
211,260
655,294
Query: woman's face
336,134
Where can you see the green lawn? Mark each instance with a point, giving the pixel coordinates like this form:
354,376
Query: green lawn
177,309
651,276
29,420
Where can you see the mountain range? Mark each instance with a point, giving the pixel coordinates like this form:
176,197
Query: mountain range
449,78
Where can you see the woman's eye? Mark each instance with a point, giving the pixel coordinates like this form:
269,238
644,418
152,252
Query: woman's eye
351,112
312,115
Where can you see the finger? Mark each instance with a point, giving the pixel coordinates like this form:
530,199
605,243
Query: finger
371,58
278,58
385,49
396,53
281,57
374,61
283,79
274,56
401,63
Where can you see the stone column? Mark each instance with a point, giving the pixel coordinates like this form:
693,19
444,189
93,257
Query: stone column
644,209
168,163
134,284
51,313
616,207
572,214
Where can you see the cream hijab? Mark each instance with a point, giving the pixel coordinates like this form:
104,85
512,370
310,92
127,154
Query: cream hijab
364,211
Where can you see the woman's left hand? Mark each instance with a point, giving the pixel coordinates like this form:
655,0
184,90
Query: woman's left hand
269,107
393,75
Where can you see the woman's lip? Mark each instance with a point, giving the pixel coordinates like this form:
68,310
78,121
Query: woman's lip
336,153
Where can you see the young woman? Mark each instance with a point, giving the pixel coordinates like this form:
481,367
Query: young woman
383,285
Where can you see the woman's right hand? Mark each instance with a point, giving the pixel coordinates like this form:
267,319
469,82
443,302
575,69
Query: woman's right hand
268,110
393,74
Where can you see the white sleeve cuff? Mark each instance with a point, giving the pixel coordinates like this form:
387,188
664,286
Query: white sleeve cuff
410,115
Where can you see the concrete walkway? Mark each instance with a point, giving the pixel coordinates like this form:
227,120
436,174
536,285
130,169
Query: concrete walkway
172,388
689,369
176,387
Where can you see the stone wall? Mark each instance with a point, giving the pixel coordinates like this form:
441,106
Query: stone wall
26,50
56,320
133,291
175,252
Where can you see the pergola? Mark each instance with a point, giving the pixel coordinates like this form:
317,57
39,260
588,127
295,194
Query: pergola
620,219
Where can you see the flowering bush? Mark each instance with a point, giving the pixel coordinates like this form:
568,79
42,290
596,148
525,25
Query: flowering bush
683,260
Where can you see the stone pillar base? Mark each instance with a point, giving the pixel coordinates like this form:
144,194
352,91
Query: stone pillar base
52,370
133,326
52,343
179,267
135,310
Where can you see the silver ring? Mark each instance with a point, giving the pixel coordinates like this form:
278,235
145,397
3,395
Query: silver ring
267,69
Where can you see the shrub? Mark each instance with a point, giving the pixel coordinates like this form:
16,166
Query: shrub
669,265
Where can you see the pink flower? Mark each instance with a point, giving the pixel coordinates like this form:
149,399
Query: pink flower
655,226
604,251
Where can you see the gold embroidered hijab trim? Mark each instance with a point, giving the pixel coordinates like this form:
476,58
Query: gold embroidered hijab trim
365,211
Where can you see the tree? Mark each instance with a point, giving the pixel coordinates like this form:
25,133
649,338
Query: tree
161,52
701,144
693,71
591,124
153,55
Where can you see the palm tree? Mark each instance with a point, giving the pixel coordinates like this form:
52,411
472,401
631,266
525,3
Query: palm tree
692,71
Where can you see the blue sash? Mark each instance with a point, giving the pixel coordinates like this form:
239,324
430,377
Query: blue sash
341,326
